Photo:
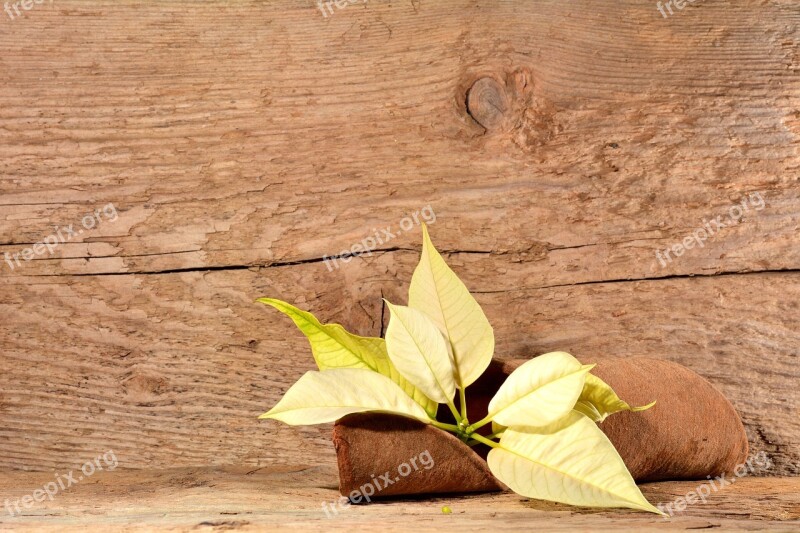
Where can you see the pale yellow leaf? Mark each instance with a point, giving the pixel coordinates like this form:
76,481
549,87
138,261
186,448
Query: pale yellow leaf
540,391
598,400
570,461
322,397
418,350
437,292
334,347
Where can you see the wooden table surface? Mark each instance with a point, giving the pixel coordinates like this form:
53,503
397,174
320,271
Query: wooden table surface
292,498
239,144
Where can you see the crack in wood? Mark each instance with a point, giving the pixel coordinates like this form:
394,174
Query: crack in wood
633,280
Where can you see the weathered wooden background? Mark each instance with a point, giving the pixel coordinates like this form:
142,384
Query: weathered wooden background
241,142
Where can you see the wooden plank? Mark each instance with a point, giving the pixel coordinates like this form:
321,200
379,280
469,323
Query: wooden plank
293,498
623,133
173,369
233,135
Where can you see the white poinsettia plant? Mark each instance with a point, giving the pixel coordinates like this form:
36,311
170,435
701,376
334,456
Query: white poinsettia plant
544,437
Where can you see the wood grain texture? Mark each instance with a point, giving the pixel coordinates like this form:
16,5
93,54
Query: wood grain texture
172,369
291,498
241,142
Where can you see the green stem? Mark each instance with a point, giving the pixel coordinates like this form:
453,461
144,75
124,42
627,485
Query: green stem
453,410
484,440
478,425
446,427
473,442
462,400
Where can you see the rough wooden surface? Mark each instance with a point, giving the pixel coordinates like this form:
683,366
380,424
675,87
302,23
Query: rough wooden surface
241,142
171,370
292,498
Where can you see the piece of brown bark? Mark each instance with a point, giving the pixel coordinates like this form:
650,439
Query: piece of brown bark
692,432
373,448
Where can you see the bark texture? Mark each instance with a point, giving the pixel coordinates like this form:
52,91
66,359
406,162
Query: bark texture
692,432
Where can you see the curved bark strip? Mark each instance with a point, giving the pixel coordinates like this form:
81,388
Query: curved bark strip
372,450
692,432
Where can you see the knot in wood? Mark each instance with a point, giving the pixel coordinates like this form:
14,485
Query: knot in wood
487,103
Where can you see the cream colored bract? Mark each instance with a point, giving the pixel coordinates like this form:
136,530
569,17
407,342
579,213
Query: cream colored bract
321,397
570,461
598,400
541,391
437,292
419,352
334,347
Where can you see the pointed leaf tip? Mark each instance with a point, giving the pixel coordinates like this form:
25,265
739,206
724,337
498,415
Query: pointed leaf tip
334,347
437,292
539,392
323,397
598,400
570,461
